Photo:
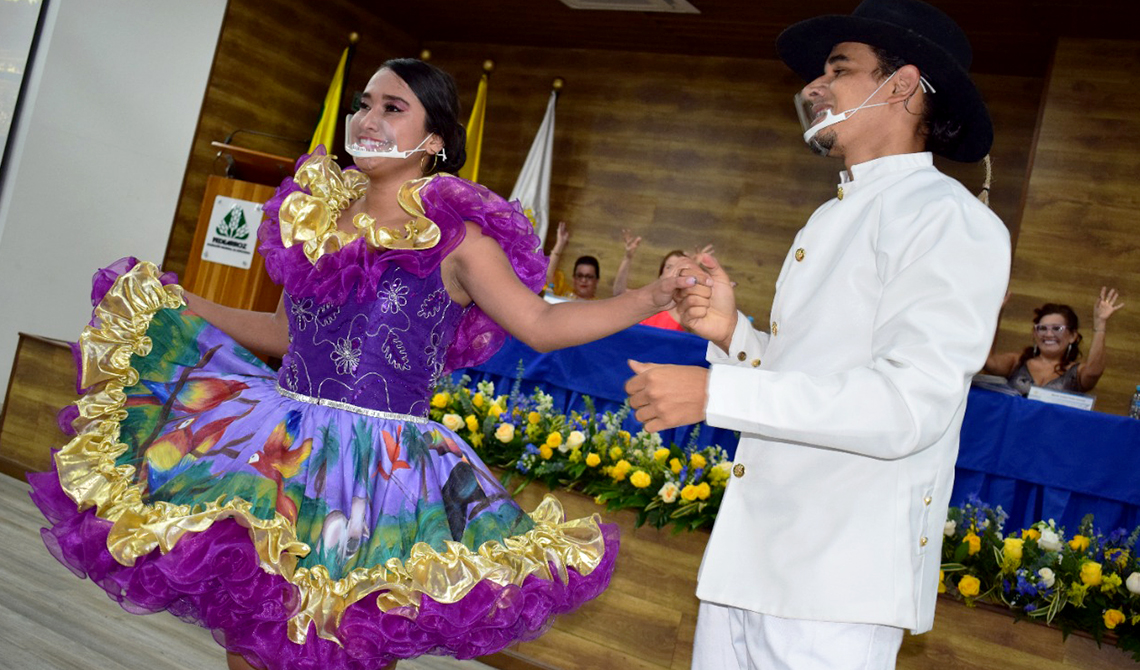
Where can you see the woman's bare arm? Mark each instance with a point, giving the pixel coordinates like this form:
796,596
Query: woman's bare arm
264,333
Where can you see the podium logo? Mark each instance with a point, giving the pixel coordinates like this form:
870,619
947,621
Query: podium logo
233,225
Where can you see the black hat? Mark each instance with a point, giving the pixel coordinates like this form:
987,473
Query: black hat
919,34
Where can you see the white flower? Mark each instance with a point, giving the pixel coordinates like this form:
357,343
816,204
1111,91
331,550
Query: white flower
670,490
1133,582
487,388
504,433
574,440
1049,540
1047,577
453,421
950,527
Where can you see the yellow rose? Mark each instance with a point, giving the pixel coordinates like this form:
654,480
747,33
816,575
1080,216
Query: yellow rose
1079,543
1090,573
472,423
689,493
703,491
969,586
477,400
698,461
495,411
620,470
1030,534
675,465
640,479
615,453
545,452
505,432
592,460
1113,618
533,418
1013,548
452,421
941,581
624,435
661,455
440,400
553,440
974,541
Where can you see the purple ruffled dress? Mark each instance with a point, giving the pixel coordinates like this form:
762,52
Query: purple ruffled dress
314,517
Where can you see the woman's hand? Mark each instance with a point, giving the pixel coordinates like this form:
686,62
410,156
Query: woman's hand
562,238
1105,307
631,242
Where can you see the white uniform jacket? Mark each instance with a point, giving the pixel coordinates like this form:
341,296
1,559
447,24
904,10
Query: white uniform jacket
850,407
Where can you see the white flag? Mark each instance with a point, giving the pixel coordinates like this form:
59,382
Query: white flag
532,189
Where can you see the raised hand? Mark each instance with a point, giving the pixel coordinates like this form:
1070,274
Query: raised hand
631,242
563,236
1105,307
708,308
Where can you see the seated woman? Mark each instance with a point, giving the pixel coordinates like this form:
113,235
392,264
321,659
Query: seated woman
1052,361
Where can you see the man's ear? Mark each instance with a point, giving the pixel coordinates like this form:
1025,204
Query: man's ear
905,83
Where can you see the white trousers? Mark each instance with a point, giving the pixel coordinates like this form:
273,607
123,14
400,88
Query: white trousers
728,638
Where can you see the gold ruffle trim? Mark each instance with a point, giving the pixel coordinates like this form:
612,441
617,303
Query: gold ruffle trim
311,220
88,474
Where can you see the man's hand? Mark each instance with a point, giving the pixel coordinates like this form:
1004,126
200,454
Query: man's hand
708,308
667,396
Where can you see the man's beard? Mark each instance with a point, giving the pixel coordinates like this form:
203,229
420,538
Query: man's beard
823,143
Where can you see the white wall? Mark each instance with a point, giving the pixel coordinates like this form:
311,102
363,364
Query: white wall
99,153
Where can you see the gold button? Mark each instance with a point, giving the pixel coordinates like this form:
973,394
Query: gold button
741,356
775,328
840,192
922,541
799,254
755,362
738,470
927,500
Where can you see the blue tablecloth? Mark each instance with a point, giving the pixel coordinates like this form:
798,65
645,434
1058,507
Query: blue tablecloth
1037,461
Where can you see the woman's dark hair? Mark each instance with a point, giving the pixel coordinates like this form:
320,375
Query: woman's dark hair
436,91
1073,352
589,260
671,254
937,124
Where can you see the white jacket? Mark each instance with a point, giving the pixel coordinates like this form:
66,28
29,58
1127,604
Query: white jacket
850,408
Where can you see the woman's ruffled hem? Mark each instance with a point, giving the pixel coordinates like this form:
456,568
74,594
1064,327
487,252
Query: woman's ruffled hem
214,579
103,528
449,202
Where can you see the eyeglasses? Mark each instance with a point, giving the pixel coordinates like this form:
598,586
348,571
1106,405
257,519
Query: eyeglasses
585,277
1055,328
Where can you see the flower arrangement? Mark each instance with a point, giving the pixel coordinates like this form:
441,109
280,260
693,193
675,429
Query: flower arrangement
1088,581
587,451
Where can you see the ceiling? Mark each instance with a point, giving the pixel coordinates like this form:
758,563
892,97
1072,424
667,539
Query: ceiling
1008,36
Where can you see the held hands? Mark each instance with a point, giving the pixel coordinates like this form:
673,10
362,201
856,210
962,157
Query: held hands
1105,307
708,308
667,396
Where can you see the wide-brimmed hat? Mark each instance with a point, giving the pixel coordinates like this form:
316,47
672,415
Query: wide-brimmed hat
919,34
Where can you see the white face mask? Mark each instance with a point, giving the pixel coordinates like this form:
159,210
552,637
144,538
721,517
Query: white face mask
384,148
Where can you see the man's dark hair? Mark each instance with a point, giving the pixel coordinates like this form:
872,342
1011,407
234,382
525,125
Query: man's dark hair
936,124
588,260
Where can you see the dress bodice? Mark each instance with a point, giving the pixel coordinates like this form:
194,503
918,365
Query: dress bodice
384,353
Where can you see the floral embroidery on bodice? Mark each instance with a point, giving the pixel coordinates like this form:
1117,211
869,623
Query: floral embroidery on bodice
385,354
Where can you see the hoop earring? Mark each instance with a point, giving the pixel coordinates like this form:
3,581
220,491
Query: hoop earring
434,163
1036,351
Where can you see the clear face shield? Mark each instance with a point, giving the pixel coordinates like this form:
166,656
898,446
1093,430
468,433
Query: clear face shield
378,143
812,123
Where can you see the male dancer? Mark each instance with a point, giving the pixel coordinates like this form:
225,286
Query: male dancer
827,544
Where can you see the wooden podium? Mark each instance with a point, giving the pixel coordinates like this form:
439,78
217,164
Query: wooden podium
257,174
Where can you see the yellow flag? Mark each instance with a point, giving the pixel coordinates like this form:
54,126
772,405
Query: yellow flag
470,169
326,127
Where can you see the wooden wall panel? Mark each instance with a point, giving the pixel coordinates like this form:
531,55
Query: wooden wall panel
688,150
270,74
1079,228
